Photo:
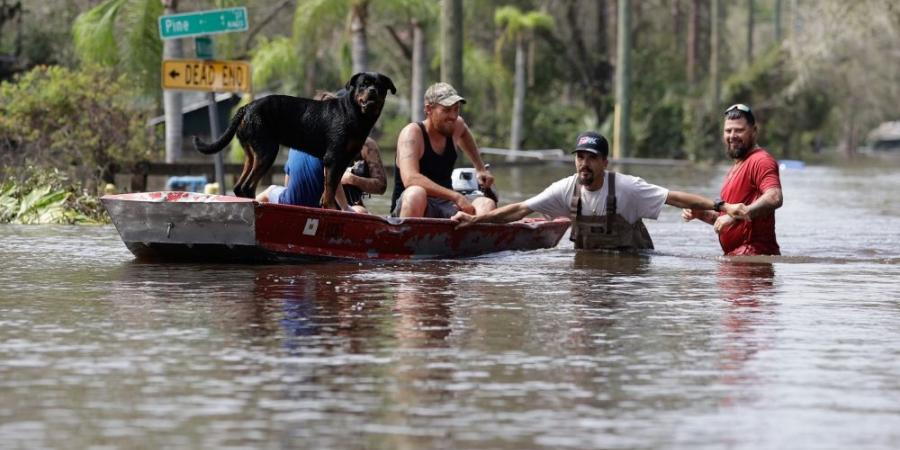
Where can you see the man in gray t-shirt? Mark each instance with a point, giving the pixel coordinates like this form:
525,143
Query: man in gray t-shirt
635,198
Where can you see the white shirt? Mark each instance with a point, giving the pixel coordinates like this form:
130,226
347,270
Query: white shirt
635,198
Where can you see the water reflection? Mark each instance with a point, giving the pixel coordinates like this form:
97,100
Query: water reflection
327,307
612,263
747,322
745,283
423,368
423,301
544,349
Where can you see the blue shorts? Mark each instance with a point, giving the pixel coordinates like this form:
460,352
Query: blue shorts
306,181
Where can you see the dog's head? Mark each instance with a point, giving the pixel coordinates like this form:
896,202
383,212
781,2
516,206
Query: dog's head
368,90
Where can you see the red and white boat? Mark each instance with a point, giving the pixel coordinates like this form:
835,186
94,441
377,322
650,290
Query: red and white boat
201,227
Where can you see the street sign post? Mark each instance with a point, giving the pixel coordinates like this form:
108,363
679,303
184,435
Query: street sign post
205,50
206,75
176,26
203,47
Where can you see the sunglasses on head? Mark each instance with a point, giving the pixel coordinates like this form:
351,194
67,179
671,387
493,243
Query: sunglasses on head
739,107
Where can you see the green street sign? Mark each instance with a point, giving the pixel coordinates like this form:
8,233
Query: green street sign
203,47
176,26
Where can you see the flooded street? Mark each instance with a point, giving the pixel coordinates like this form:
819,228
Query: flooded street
682,348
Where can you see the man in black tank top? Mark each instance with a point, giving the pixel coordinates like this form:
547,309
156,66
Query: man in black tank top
426,156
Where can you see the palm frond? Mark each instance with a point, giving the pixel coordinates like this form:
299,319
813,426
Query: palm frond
94,34
314,17
423,10
536,20
274,60
143,51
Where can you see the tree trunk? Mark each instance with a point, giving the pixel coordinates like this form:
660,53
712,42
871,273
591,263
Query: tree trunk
677,25
583,44
623,69
749,32
849,141
715,31
518,112
778,35
359,44
692,42
530,62
419,71
172,100
452,43
309,84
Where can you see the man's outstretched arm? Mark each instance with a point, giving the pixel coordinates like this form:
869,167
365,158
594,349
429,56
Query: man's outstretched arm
505,214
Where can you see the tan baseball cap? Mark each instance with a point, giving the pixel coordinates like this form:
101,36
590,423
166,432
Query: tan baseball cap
442,94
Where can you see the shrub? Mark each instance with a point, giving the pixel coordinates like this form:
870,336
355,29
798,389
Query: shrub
47,196
54,117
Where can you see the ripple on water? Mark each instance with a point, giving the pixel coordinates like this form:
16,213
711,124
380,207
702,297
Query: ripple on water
680,348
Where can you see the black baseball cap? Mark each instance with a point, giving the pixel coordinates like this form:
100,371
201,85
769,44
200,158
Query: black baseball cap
592,142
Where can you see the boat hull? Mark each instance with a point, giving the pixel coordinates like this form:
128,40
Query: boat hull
200,227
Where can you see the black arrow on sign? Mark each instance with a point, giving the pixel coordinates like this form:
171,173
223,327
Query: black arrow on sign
174,74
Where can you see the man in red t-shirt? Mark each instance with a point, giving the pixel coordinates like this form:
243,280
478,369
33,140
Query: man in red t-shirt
753,182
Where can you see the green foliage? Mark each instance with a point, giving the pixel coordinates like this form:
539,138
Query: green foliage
555,125
789,118
657,106
517,22
37,195
702,131
55,117
803,94
657,132
276,60
94,33
123,34
487,87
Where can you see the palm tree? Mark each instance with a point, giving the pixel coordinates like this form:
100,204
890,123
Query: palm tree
418,16
519,28
314,21
96,32
313,17
452,42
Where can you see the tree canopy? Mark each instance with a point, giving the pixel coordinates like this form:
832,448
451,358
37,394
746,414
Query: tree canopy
812,86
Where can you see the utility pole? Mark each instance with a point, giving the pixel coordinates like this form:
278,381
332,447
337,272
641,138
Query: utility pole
452,43
623,69
778,31
715,18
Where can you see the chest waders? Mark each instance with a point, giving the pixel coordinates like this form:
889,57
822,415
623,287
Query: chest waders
608,232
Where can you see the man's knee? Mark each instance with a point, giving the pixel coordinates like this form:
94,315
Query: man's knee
483,205
415,193
414,200
263,197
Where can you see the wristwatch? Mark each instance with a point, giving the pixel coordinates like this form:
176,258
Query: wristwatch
718,204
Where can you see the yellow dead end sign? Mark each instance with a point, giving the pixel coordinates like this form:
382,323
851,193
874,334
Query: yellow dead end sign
206,75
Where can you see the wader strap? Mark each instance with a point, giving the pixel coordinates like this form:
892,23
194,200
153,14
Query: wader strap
610,201
575,203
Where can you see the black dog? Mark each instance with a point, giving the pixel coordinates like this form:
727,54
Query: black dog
333,129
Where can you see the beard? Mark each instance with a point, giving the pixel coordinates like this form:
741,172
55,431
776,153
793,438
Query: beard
585,178
445,128
738,151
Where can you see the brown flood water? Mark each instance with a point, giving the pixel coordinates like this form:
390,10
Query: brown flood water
681,348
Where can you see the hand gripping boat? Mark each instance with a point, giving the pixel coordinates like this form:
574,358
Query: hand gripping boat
201,227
